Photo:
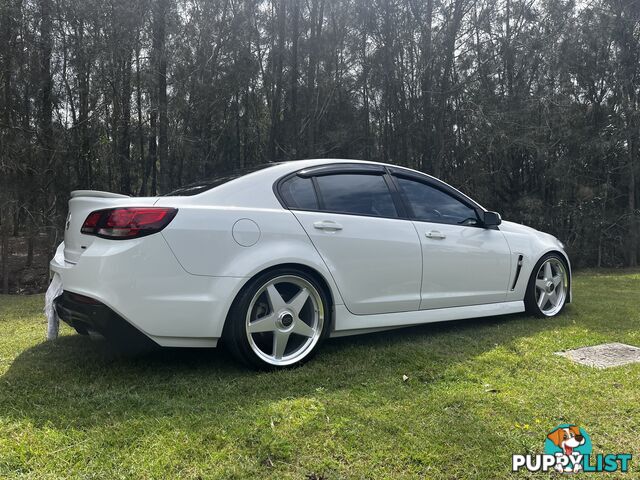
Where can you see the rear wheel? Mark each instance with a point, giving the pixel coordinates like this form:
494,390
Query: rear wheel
278,319
548,287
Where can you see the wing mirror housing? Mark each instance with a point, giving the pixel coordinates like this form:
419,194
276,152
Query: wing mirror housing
491,219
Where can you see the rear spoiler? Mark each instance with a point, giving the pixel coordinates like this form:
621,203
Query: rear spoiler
96,193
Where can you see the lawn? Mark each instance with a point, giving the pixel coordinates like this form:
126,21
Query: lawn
477,392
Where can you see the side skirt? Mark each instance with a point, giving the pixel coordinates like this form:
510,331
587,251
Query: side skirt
347,323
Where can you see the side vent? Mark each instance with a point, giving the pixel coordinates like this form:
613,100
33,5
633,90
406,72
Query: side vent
518,269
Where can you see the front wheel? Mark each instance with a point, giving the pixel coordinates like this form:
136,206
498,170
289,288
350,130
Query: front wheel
548,287
278,319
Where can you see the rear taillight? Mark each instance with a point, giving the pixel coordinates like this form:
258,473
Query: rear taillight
129,222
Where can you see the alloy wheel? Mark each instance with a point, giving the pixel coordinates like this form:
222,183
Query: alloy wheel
551,286
284,320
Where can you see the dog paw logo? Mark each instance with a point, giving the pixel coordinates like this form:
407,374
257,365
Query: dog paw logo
568,442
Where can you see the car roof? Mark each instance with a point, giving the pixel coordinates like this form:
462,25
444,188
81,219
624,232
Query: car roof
255,189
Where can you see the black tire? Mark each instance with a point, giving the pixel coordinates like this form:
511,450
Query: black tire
530,300
235,336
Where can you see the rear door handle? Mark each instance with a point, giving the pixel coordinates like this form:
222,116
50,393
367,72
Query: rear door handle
435,234
327,225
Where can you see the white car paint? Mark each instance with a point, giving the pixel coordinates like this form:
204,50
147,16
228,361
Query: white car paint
379,275
177,286
480,275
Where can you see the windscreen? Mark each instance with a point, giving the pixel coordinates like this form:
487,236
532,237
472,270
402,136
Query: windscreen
207,184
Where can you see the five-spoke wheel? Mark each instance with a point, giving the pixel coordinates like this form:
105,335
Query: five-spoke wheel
278,319
547,290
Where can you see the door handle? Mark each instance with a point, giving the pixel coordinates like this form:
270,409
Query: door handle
327,225
435,234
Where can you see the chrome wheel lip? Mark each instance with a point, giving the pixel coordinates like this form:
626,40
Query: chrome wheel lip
551,286
279,312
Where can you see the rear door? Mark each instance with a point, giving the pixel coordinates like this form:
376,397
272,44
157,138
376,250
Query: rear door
355,223
463,263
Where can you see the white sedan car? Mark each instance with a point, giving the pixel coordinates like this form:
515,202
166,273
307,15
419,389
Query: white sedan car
273,261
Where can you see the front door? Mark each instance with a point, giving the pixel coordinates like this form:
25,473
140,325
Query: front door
463,263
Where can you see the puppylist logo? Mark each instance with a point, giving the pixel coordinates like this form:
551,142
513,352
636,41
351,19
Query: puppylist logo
568,448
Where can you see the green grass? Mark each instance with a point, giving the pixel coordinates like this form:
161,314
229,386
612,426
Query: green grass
478,391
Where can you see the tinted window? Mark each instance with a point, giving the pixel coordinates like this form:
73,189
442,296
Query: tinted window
359,194
209,183
432,205
298,192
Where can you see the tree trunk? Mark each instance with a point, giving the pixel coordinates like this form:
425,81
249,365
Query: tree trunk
143,165
426,161
445,94
6,138
277,55
295,33
124,141
4,243
47,151
633,229
160,73
365,87
46,84
83,76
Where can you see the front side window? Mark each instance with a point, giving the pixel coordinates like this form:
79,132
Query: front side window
432,205
358,194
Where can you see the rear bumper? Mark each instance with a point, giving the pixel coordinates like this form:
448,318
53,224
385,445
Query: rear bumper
94,317
140,283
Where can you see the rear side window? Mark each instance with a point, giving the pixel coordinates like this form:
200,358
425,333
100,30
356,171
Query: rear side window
432,205
298,192
357,194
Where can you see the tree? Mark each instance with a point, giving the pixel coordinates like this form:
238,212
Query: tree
530,107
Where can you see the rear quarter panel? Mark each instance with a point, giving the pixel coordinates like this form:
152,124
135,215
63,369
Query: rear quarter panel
202,240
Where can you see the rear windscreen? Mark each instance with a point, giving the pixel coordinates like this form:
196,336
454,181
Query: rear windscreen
203,185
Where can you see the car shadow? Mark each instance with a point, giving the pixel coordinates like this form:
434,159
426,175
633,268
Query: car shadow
75,381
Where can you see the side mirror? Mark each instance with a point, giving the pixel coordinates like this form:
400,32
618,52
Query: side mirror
491,219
